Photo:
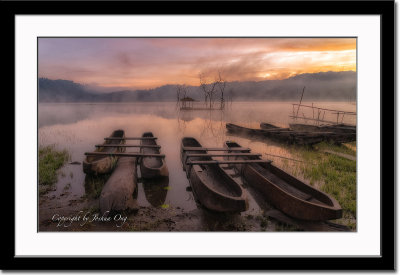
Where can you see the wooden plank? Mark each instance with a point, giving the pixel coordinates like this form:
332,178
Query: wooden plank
124,154
125,145
129,138
214,149
306,225
207,162
314,107
224,155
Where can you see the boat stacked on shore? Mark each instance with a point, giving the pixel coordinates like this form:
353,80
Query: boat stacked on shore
118,192
295,134
209,172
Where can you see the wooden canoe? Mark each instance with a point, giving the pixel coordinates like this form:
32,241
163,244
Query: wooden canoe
156,190
265,126
285,192
323,128
289,136
152,167
211,185
104,164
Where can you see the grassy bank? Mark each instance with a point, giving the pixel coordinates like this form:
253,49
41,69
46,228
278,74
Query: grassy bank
330,173
50,160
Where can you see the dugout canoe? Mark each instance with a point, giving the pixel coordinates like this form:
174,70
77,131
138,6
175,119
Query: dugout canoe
290,136
281,135
285,192
152,167
118,192
323,128
211,185
156,190
266,126
104,164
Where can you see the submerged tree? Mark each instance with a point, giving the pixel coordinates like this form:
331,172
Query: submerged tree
209,89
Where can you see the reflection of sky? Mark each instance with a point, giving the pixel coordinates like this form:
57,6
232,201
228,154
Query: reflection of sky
152,62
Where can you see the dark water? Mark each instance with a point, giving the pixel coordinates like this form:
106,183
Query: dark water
78,127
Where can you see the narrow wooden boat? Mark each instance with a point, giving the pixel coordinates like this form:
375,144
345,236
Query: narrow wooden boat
323,128
290,136
152,167
211,185
265,126
285,192
156,190
284,135
117,193
104,164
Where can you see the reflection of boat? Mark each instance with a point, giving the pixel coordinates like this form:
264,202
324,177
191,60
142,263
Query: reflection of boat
104,164
339,128
156,190
290,136
152,167
288,194
211,185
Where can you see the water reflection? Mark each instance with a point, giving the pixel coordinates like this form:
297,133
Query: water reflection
78,127
156,190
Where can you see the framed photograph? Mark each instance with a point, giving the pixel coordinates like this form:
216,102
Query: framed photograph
188,136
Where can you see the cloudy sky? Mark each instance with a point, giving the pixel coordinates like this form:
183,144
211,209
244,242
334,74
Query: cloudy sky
152,62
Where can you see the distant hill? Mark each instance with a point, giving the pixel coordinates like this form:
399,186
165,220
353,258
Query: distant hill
319,86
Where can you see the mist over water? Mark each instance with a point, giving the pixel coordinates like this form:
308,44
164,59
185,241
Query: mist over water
77,127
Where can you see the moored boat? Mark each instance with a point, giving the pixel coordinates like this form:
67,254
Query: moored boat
265,126
285,192
152,167
211,185
339,128
104,164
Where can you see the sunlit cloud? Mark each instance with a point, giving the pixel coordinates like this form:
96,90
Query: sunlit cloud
151,62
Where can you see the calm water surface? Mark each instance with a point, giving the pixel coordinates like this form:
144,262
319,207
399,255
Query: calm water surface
77,127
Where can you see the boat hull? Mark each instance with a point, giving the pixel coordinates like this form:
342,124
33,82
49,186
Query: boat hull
205,191
323,128
117,193
289,136
94,165
151,167
288,194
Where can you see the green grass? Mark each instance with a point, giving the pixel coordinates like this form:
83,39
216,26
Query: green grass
50,160
94,185
330,173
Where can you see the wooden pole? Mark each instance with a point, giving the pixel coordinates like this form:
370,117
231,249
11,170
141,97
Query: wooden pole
124,154
125,145
210,162
300,101
129,138
224,155
214,149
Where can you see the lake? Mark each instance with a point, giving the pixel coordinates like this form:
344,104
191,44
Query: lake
77,127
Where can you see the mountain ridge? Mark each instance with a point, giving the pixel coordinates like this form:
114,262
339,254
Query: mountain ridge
319,86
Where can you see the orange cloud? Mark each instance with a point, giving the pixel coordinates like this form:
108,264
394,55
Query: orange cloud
152,62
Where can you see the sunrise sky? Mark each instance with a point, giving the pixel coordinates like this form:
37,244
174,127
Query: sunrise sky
140,63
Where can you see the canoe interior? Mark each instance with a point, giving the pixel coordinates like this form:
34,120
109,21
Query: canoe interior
117,133
150,162
264,125
286,182
212,175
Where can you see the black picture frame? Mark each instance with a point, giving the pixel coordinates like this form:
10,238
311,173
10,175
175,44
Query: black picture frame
385,9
